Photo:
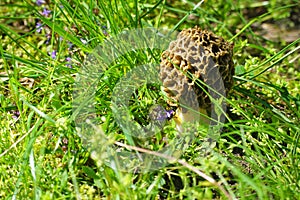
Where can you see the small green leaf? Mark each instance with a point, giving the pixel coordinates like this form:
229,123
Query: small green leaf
90,172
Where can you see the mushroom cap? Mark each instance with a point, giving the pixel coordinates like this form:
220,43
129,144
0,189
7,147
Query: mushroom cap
196,57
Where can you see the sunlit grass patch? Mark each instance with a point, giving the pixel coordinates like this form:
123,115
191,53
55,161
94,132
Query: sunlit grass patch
43,155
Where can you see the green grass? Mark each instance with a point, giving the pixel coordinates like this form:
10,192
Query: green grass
43,155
